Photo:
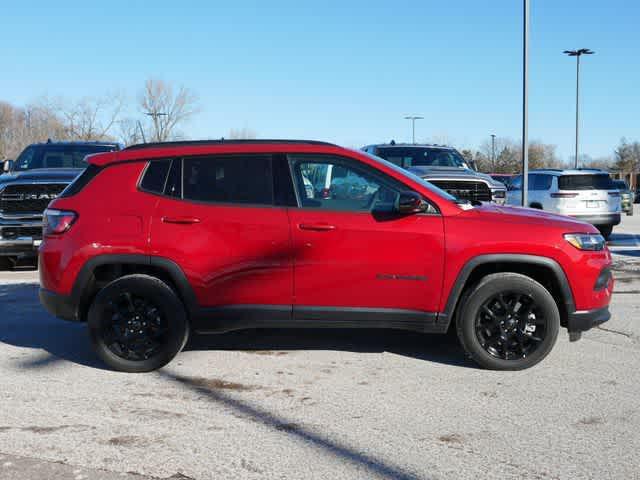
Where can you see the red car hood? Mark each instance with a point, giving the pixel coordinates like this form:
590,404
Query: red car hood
532,216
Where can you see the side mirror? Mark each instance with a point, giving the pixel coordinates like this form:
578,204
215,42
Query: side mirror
410,202
7,165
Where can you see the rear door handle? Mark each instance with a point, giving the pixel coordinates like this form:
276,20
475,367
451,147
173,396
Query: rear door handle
181,220
318,227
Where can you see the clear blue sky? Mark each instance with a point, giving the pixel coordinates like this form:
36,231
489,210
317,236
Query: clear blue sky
343,71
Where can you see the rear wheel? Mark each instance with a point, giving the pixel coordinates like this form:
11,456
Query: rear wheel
137,323
5,264
507,321
605,230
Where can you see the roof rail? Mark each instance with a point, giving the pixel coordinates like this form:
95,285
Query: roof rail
187,143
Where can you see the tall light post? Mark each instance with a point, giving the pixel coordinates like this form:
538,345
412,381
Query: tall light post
578,54
525,105
413,119
493,150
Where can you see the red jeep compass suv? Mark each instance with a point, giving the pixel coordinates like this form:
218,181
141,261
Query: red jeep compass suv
159,240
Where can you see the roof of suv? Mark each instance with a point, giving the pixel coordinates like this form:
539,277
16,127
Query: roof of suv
410,145
569,171
76,142
202,147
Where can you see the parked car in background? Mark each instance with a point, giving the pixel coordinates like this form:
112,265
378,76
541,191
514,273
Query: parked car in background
27,186
208,237
445,168
626,196
504,178
584,194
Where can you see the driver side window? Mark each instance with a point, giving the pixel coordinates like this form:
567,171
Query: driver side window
330,183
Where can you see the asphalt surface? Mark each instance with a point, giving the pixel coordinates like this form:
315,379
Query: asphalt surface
320,404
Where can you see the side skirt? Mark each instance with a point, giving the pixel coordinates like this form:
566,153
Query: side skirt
239,317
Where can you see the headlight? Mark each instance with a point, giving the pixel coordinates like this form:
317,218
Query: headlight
586,241
499,194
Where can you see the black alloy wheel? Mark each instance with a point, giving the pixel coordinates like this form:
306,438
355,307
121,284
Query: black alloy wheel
137,330
509,325
507,321
137,323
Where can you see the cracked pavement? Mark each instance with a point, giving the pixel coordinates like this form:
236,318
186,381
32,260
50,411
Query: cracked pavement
320,404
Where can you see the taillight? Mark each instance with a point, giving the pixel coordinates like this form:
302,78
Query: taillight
325,193
57,222
564,195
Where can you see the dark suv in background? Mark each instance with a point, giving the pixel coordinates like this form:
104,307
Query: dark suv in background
29,183
443,167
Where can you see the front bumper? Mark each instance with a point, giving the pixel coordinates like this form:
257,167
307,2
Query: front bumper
60,306
20,236
581,321
599,219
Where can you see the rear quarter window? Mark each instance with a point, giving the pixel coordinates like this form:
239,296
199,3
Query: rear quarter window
155,176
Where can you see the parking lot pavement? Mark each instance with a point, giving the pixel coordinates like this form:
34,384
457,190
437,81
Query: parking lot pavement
320,404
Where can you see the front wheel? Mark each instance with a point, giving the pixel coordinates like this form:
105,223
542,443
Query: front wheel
137,323
507,321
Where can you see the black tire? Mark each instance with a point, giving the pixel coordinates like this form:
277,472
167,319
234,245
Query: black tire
143,300
470,326
5,264
605,231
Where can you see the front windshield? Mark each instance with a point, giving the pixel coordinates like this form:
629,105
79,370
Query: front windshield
407,157
57,156
415,178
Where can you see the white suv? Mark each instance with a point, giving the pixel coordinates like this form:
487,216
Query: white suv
585,194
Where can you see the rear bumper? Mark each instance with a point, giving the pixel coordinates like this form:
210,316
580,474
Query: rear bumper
599,219
60,306
584,320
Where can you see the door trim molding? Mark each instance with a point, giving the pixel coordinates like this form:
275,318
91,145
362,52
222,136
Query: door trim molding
238,317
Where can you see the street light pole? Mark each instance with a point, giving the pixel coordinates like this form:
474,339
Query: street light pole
525,106
413,119
578,54
493,150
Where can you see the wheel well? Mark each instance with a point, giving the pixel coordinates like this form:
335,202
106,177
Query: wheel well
540,273
106,273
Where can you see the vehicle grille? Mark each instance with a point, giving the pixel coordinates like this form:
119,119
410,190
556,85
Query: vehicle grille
465,190
28,198
11,233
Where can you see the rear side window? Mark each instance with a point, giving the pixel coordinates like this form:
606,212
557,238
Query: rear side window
584,182
81,181
540,182
244,179
155,176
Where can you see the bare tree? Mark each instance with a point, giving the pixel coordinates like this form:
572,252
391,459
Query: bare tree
242,134
20,127
166,109
130,131
89,118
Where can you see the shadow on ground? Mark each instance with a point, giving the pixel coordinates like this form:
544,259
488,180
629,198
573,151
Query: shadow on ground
24,323
346,453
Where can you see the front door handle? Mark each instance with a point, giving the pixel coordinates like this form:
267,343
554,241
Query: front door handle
181,220
318,227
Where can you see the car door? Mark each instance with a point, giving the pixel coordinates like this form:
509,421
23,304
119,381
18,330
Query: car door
218,222
354,258
514,191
